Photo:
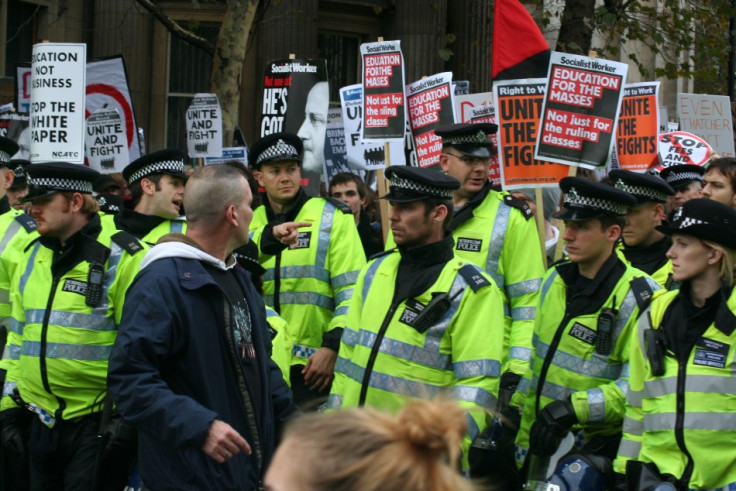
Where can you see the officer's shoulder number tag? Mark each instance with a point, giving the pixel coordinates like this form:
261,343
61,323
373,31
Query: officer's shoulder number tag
303,241
410,313
470,245
710,353
583,333
473,277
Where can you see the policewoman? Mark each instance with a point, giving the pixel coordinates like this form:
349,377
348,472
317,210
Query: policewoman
680,424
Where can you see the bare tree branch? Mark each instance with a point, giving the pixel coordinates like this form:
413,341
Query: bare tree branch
174,28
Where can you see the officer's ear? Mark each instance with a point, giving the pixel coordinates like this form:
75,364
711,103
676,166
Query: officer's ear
714,256
439,213
148,186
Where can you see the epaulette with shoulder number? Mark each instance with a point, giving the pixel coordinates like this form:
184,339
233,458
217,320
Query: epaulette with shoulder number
127,241
474,277
520,204
27,222
383,253
344,207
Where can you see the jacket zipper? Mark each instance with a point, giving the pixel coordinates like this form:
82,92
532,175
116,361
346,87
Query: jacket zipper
374,352
42,354
277,284
680,420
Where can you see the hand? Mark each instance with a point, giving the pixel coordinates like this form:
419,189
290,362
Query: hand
223,442
288,233
320,369
552,424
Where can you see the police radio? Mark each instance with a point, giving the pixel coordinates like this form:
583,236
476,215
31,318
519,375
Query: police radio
604,336
94,284
654,348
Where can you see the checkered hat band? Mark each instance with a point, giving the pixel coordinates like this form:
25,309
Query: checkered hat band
62,184
641,191
278,149
19,171
479,138
161,167
689,221
574,199
4,156
420,188
682,176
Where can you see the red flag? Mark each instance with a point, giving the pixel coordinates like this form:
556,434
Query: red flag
519,48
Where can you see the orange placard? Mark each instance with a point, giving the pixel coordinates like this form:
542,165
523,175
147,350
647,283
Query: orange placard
638,127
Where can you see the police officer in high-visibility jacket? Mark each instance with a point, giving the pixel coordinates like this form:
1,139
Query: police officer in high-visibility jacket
643,246
312,254
587,314
67,296
495,231
422,321
680,423
157,185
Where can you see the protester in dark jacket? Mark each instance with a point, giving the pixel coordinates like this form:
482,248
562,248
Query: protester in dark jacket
191,365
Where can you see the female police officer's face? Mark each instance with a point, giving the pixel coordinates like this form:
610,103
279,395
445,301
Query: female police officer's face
690,257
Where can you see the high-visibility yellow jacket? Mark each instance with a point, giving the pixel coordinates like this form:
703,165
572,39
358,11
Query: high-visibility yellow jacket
60,367
310,285
281,343
384,357
565,362
693,402
151,236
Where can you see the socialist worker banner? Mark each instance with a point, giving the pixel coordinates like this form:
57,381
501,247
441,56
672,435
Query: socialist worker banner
384,117
519,106
430,105
580,108
638,127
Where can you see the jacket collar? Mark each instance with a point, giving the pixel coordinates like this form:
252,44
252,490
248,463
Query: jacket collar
136,223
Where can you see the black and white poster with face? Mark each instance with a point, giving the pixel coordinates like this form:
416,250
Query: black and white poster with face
204,127
335,158
106,147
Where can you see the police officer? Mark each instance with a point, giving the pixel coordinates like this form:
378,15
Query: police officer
311,251
494,230
680,409
587,312
156,183
686,180
67,296
643,246
422,320
19,188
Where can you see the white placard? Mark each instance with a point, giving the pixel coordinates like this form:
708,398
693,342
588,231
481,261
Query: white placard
106,143
204,126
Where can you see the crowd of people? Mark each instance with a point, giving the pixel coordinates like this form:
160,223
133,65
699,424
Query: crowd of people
147,349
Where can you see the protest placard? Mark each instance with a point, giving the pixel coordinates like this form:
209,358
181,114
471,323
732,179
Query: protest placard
680,147
430,105
335,158
383,89
57,102
230,154
464,105
23,88
106,144
461,87
709,117
580,108
204,126
519,106
638,128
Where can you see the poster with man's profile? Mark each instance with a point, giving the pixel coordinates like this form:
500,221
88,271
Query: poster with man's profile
296,98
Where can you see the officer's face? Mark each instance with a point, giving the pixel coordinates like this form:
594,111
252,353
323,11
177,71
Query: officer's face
686,193
587,242
718,187
281,180
168,197
312,130
640,223
689,256
411,225
348,192
471,172
53,214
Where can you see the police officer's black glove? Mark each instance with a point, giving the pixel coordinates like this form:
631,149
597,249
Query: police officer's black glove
552,424
14,421
507,387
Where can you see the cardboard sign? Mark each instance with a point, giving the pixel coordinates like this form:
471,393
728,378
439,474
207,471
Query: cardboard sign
680,147
429,102
229,154
580,108
638,128
58,86
335,159
709,117
383,89
519,106
106,144
204,126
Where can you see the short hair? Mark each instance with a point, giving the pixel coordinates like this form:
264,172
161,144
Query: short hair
346,177
136,190
368,450
608,220
432,203
727,167
210,190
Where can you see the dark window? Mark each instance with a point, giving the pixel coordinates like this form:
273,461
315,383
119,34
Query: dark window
342,52
21,33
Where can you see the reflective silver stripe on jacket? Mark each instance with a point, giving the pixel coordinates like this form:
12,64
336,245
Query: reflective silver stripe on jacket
692,421
71,320
710,384
495,245
67,351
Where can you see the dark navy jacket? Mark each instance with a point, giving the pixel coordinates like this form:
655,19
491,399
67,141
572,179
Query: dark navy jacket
171,375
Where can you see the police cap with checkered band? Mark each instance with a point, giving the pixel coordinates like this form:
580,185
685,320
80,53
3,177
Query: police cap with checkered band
18,166
49,178
679,176
705,219
645,188
170,162
586,199
414,183
276,147
8,148
471,139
